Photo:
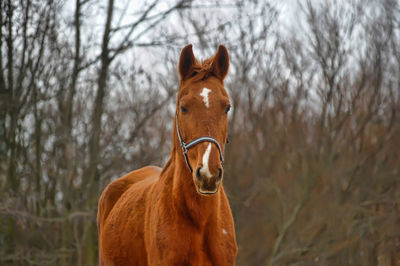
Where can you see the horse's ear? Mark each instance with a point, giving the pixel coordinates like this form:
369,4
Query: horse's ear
220,64
186,62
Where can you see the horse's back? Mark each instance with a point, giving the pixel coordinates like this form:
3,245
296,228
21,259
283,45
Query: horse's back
115,189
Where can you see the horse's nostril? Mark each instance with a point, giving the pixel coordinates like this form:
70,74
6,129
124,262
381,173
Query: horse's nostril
198,174
219,174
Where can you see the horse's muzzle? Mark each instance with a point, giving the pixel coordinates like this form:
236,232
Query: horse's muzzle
208,185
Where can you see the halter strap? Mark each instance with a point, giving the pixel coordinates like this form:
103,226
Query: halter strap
185,147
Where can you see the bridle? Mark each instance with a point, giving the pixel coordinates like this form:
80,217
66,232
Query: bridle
185,147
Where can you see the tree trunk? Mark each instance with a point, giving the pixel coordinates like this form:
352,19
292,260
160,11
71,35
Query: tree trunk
94,143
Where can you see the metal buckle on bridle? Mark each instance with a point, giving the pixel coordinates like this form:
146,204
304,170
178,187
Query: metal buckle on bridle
185,147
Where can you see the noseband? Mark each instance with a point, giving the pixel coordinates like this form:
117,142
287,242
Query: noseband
185,147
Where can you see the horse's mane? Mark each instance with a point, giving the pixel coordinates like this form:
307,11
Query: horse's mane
203,70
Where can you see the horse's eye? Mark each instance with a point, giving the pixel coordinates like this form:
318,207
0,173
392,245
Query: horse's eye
184,109
227,109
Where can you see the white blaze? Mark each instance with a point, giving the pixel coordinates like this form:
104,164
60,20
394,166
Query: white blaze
224,231
204,170
205,93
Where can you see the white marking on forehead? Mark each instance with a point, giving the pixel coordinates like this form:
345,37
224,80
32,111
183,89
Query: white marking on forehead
224,231
205,93
204,170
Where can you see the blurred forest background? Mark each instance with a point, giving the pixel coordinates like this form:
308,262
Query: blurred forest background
87,92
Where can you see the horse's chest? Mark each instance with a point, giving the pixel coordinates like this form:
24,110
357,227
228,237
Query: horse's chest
181,247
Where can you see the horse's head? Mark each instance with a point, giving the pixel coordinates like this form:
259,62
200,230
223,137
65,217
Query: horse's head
202,117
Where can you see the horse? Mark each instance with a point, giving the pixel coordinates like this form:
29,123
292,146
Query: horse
180,214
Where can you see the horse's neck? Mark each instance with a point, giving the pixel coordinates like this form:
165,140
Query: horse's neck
187,202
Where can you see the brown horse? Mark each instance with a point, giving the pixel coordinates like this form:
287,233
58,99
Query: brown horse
178,215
